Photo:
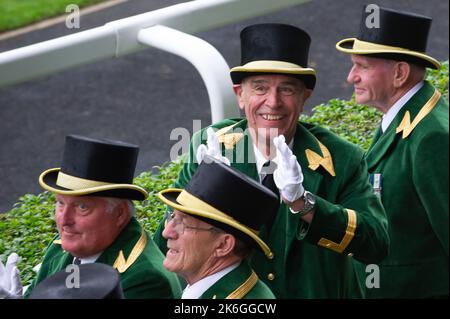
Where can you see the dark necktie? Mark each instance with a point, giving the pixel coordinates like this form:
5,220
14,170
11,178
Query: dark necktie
268,169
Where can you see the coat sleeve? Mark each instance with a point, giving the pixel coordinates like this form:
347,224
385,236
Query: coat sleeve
430,176
353,222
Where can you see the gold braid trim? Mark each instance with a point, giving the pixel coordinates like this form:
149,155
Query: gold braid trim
121,264
315,160
349,234
243,289
406,126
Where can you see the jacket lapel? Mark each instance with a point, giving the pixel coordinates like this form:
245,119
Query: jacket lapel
234,285
379,147
304,141
390,138
242,156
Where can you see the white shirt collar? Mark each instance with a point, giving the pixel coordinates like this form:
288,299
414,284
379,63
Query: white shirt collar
197,289
261,159
390,115
90,259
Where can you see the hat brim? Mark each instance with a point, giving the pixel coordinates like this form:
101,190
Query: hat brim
211,215
307,75
355,46
48,180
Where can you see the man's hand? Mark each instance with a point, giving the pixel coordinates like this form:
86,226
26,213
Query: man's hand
10,285
288,176
212,148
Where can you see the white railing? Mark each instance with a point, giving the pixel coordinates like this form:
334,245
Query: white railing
168,29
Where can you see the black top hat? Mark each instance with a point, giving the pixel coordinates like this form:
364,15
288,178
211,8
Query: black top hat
400,36
95,281
226,199
272,48
95,167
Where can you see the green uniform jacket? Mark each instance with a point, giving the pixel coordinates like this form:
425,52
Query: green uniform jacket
240,283
311,261
142,278
414,193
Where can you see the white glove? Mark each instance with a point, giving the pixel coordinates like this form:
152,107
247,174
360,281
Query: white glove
212,148
288,176
10,285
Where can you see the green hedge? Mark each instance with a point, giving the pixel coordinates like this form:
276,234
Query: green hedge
29,226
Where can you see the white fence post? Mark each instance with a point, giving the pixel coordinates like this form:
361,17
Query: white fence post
206,59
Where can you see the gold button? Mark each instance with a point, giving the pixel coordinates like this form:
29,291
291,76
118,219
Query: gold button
271,276
270,256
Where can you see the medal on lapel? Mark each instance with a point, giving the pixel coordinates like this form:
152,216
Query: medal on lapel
376,180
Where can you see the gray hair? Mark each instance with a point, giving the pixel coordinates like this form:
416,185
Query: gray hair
112,203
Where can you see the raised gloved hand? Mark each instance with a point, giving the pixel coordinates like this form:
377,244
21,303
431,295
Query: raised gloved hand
288,176
10,285
212,148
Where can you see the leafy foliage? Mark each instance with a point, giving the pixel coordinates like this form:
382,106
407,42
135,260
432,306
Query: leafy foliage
27,229
151,211
356,123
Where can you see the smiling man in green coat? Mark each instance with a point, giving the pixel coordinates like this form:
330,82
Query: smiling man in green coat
94,218
212,231
408,158
328,214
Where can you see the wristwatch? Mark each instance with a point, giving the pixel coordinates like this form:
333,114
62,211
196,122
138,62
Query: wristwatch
309,200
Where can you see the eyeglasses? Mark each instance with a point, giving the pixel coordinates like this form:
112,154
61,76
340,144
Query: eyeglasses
179,225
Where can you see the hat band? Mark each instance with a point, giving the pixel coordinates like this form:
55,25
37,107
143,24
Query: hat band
188,200
77,183
271,64
363,45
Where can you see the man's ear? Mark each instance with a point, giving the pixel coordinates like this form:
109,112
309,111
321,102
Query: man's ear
307,93
225,245
122,214
238,90
402,71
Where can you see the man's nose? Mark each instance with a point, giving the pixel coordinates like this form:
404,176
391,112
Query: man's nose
169,231
352,76
66,215
273,98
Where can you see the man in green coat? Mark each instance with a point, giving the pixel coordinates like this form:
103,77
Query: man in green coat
408,158
213,229
94,217
328,215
